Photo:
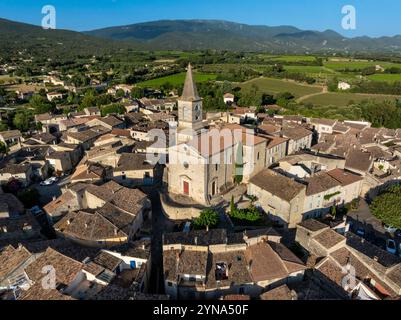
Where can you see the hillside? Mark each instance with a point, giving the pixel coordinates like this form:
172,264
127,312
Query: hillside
215,34
16,37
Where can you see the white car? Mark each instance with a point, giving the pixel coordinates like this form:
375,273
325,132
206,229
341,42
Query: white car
49,181
391,246
390,229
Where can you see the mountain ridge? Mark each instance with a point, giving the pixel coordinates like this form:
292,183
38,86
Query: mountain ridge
197,34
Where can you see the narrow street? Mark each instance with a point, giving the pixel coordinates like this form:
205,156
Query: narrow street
160,224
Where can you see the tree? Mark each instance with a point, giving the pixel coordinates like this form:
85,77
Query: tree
23,120
386,207
208,218
40,104
120,93
115,108
3,126
137,93
3,148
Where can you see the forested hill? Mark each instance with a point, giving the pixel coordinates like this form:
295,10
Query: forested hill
16,37
185,35
224,35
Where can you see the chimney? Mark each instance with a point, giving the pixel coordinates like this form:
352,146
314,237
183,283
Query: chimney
196,241
376,258
54,198
115,231
207,228
86,225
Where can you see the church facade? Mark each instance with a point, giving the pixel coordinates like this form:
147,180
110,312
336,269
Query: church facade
204,162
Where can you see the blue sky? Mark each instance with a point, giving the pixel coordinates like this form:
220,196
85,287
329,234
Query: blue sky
374,17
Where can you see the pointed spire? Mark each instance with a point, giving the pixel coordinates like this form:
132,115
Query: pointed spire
190,92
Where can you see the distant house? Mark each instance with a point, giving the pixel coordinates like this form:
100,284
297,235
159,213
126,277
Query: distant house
60,161
20,172
85,138
131,106
54,96
280,197
19,228
109,122
323,126
92,111
343,86
11,138
299,138
212,264
109,215
13,262
24,94
134,170
158,104
228,98
376,273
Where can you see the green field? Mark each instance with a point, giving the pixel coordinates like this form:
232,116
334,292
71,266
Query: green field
292,58
177,79
385,77
343,99
357,64
309,69
273,86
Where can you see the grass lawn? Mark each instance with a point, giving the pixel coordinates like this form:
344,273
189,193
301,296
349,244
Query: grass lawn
385,77
273,86
177,79
343,99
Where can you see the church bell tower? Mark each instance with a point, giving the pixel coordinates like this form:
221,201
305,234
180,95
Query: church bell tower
189,109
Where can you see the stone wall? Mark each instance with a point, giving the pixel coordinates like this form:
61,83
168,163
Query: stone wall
176,211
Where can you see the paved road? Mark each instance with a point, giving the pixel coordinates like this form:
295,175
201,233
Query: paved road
374,230
160,224
48,192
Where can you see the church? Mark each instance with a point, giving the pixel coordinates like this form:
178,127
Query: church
205,161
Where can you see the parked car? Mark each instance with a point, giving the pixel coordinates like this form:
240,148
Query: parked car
391,246
360,232
36,211
390,229
49,181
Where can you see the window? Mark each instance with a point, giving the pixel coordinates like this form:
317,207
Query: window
186,165
258,156
241,290
217,167
170,284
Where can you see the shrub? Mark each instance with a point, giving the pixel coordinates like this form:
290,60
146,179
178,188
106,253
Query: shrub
208,218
